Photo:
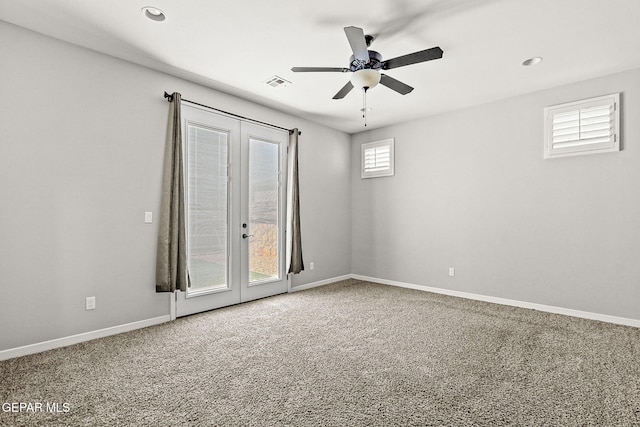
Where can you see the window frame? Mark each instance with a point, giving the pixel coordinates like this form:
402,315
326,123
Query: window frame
578,148
390,171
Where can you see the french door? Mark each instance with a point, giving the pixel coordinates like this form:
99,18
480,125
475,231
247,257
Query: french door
235,181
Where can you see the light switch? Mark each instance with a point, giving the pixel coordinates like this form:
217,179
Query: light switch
148,217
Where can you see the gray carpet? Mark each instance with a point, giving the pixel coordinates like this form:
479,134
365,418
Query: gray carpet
352,353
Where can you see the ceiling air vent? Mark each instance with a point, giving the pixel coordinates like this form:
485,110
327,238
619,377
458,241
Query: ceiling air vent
277,82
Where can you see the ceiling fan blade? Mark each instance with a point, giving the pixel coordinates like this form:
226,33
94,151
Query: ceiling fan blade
344,91
319,70
413,58
394,84
358,43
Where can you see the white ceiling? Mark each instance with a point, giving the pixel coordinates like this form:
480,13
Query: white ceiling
234,46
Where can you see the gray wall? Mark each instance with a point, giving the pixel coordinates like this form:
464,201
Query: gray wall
82,142
472,191
81,149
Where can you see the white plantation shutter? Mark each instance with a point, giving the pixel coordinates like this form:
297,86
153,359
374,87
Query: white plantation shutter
583,127
377,158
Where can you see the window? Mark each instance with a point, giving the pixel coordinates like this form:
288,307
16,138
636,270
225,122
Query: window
582,127
207,189
377,159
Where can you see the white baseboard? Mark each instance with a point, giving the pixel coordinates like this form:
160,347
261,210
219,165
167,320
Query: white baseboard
514,303
74,339
87,336
320,283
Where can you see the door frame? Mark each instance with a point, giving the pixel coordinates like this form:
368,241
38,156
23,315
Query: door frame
183,304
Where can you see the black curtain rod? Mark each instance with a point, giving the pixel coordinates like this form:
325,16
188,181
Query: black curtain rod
170,98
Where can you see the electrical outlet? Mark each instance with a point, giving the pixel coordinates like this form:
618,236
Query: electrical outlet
452,271
311,266
148,217
90,303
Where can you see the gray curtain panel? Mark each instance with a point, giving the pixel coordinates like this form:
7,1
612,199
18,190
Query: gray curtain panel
171,261
294,238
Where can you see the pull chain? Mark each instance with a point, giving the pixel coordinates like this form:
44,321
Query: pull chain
364,105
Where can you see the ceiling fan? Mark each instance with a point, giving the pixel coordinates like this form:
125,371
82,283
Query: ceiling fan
366,65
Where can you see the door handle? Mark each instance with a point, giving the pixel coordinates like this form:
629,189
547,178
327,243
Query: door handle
245,235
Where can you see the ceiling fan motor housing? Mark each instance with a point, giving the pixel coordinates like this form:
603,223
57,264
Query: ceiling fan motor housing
375,62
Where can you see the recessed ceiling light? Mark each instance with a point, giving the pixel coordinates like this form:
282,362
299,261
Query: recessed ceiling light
532,61
154,13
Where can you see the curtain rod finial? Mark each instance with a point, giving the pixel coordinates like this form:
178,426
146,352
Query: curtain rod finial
169,97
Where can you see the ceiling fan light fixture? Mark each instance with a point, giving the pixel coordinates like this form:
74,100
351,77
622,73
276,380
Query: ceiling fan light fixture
365,78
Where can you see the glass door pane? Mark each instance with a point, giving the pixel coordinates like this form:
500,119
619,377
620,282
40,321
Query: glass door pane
264,211
207,198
